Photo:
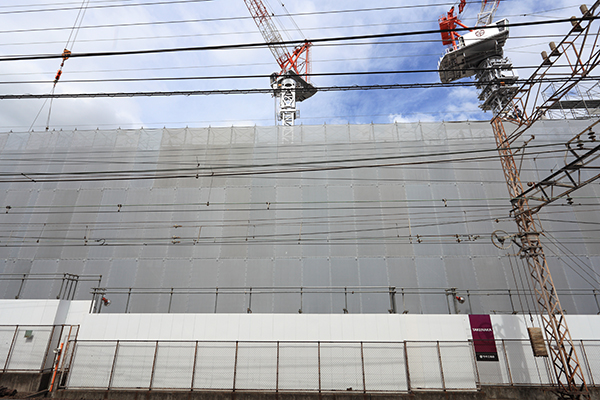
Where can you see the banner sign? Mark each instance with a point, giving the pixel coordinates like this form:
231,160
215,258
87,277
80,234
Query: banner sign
483,338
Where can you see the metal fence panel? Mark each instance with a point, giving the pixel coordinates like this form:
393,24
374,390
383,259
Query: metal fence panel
29,349
385,367
6,339
592,353
341,366
298,366
292,366
424,365
174,365
256,366
92,364
524,367
214,366
493,372
458,365
133,365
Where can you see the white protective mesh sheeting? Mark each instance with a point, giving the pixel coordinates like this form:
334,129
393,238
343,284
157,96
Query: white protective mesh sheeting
92,365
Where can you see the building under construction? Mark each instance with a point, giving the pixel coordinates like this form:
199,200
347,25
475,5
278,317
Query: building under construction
316,260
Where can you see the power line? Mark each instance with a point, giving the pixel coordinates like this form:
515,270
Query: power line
247,17
228,77
261,91
262,44
104,6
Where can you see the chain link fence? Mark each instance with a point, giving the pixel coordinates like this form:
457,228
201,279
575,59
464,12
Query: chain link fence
310,366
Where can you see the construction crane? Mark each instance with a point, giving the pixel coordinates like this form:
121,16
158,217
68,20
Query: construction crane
291,83
479,52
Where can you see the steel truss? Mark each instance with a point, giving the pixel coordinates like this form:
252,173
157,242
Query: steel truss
569,376
579,51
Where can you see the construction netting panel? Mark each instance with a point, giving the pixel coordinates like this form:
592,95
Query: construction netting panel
404,205
385,367
133,365
92,365
215,365
174,365
298,366
29,348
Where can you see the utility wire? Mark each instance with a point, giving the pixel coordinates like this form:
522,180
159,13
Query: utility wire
263,91
261,76
262,44
241,17
103,6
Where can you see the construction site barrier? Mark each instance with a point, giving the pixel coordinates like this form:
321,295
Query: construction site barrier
315,366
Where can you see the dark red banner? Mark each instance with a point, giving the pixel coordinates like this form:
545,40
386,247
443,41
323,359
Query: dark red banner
483,338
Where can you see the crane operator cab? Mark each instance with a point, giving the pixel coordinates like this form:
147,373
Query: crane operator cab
470,50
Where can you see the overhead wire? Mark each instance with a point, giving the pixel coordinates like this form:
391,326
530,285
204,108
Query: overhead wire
262,90
586,269
171,2
261,76
262,44
65,55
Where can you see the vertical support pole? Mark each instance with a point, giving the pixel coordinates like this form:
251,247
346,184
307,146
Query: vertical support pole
469,300
74,286
235,363
128,298
587,363
10,349
345,300
277,370
596,300
93,303
249,310
507,363
194,366
65,352
170,301
512,305
52,387
216,298
112,369
407,366
362,360
153,366
441,365
74,350
301,293
474,361
319,364
62,284
393,309
21,286
48,348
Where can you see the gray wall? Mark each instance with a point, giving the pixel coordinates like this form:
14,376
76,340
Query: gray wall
318,224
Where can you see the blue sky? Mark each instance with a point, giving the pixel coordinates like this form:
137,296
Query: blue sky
378,106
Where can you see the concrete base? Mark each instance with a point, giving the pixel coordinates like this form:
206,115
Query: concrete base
26,382
486,393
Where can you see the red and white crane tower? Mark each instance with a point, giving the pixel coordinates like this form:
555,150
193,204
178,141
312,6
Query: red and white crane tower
291,84
479,53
